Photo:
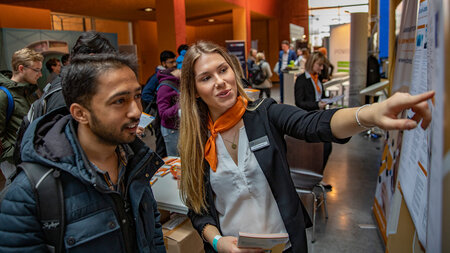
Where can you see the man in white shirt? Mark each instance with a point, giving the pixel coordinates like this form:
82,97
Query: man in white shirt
286,56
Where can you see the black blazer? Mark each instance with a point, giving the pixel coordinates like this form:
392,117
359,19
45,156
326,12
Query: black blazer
274,121
305,95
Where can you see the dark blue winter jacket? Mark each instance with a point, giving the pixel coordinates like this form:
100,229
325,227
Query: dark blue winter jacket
149,90
92,213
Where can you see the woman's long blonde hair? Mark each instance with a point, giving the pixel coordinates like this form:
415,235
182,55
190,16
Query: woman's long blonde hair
193,126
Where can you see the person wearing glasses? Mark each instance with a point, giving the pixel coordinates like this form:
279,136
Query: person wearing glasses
26,66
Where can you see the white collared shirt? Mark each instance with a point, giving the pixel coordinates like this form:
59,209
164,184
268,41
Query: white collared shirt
318,94
243,198
284,60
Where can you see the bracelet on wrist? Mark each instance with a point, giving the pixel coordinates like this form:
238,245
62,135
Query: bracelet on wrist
215,241
357,119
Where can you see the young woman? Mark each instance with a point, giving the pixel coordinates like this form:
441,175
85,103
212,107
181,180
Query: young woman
167,98
309,92
308,89
235,174
265,86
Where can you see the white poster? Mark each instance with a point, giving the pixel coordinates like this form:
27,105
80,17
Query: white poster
413,172
436,82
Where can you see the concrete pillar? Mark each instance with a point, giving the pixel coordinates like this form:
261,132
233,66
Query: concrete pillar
171,24
358,57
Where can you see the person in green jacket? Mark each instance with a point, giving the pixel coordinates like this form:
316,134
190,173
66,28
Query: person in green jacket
27,65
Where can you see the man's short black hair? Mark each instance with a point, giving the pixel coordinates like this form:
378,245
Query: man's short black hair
80,79
65,58
92,42
51,62
182,47
166,54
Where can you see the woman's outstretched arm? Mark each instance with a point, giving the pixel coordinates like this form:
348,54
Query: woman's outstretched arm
384,115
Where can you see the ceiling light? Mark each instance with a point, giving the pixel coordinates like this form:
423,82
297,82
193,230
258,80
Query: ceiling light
148,9
211,20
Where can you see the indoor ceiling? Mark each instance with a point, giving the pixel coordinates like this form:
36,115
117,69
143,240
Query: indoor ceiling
198,12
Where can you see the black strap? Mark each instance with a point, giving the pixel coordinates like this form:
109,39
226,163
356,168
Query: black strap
169,83
49,202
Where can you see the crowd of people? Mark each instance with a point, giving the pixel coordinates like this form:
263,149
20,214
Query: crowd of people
235,173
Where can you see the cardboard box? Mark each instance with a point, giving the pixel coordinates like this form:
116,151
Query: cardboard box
183,239
165,216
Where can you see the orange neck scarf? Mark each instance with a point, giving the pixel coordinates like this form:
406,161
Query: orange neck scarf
226,121
315,78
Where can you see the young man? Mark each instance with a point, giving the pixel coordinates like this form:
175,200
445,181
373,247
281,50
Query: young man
285,57
27,66
104,169
53,66
167,59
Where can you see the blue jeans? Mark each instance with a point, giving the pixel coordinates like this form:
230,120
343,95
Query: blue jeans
171,140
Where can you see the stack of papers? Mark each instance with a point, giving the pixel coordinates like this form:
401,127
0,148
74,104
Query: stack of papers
270,242
332,100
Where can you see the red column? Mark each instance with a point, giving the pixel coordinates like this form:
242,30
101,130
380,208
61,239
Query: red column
171,24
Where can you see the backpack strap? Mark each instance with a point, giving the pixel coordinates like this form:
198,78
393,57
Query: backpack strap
46,185
10,107
168,83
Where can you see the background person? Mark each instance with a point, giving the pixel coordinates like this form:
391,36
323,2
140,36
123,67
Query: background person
27,66
301,61
308,89
167,99
327,71
309,93
65,60
181,52
231,185
53,66
286,55
167,59
251,58
265,86
104,169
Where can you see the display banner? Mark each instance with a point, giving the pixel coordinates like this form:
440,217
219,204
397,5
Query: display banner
237,48
339,54
405,46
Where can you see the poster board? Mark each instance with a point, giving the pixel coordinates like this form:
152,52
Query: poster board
417,220
415,156
237,48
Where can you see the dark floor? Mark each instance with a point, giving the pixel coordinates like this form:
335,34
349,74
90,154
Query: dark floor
352,170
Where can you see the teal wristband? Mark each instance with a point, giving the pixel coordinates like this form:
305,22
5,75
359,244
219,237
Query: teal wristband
215,241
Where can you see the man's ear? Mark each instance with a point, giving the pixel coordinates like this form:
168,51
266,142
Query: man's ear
20,68
79,113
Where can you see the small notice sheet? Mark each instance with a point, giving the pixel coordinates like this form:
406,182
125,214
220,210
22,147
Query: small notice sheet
145,120
333,99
